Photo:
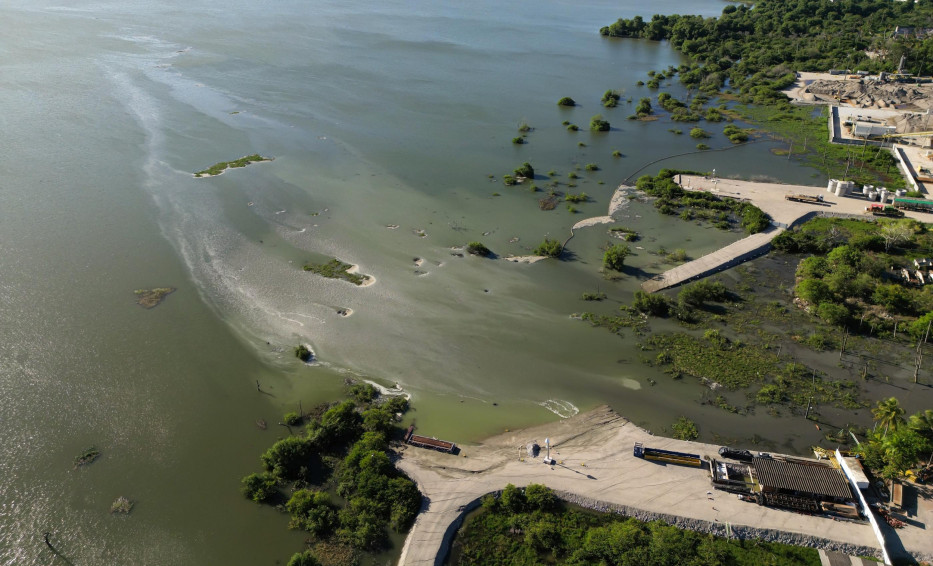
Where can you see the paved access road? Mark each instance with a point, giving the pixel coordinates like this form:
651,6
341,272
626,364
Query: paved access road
596,463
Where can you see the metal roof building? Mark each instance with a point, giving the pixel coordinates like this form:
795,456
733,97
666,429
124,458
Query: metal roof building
801,480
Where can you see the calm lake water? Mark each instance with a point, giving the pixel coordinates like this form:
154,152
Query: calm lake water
385,121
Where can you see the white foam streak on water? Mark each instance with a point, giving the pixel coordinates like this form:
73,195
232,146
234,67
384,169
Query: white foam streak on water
563,409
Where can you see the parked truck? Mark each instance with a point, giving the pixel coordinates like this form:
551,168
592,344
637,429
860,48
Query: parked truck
882,210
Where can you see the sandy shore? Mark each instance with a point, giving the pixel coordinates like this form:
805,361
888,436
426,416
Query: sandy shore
368,279
769,197
524,258
596,467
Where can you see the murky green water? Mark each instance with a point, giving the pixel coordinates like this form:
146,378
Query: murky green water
377,115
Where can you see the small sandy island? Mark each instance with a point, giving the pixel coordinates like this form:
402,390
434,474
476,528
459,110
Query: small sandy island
220,168
524,258
367,279
596,468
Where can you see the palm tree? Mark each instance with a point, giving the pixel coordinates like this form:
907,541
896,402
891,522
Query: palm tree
889,414
922,422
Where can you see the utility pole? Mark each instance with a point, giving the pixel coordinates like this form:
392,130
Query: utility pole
812,389
919,362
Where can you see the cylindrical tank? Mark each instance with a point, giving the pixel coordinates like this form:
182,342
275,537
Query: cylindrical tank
840,190
872,195
883,195
831,186
900,192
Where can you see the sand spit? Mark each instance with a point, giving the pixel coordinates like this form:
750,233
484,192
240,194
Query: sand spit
367,279
596,468
620,198
593,222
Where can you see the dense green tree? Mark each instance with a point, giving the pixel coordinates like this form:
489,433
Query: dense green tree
364,392
306,558
261,488
287,457
699,292
312,511
892,297
615,255
922,422
644,106
549,248
540,497
598,124
566,101
378,419
814,291
337,427
477,248
525,170
512,499
653,304
833,313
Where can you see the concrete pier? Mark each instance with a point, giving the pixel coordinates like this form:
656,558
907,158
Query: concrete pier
769,197
723,258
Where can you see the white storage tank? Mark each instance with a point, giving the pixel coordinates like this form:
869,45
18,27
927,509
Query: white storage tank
831,186
840,190
900,192
872,195
883,195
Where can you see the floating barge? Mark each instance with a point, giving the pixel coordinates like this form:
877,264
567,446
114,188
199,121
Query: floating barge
667,456
427,442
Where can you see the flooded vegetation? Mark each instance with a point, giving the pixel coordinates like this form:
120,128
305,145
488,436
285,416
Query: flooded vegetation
218,168
151,298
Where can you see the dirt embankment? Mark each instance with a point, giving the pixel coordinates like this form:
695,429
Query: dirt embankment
870,94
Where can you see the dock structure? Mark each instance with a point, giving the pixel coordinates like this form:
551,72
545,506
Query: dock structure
427,442
772,199
723,258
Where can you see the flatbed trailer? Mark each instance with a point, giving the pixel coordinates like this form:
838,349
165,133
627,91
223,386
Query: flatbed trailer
667,456
818,199
919,205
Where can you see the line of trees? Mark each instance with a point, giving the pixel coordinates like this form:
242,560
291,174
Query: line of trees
757,48
345,448
897,444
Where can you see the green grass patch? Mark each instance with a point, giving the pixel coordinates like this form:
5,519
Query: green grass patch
806,138
531,528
